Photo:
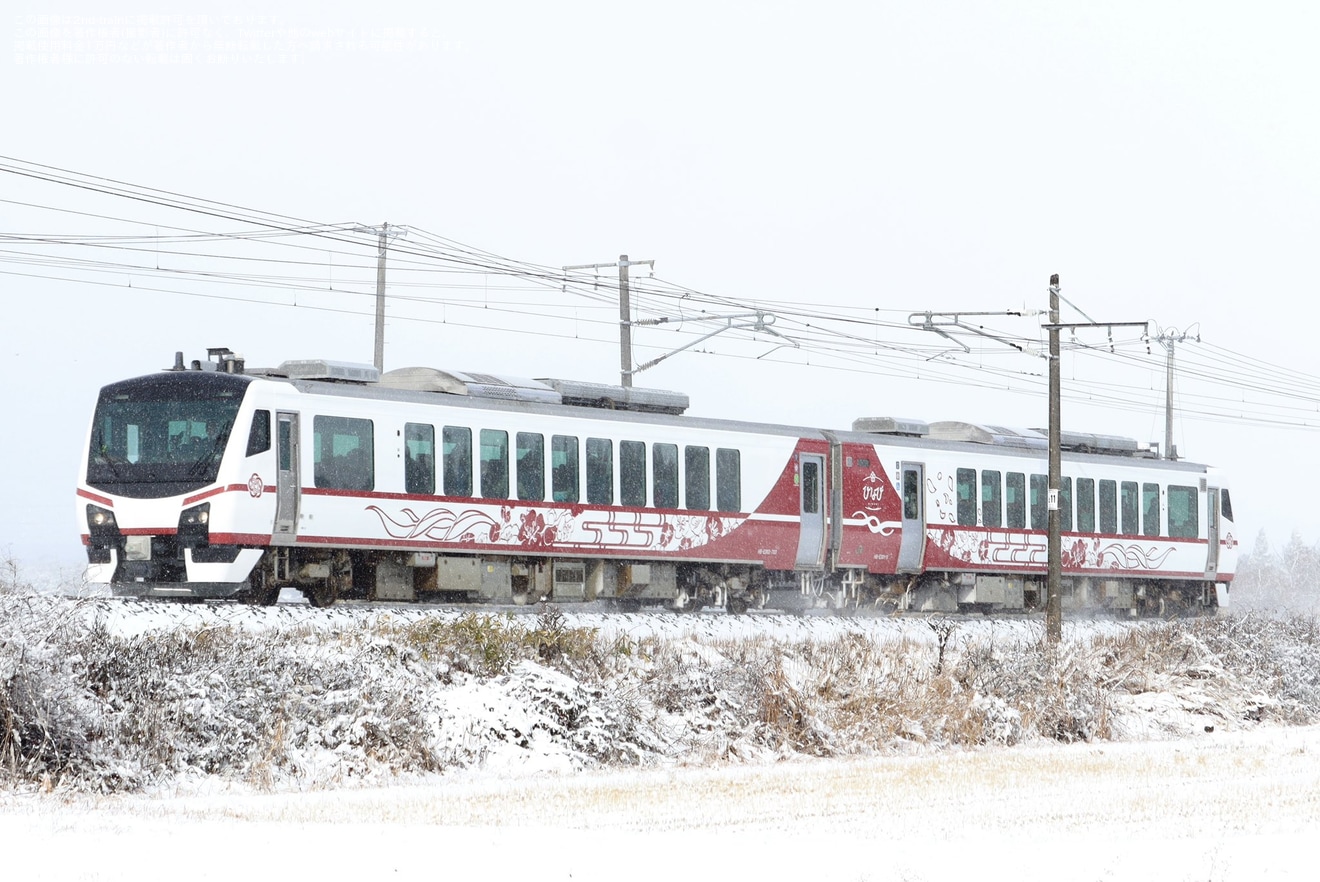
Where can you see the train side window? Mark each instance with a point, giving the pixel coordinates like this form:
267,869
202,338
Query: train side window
419,458
259,434
632,473
494,464
1225,505
664,466
1150,505
1086,505
1183,521
1040,515
564,468
1130,507
529,456
728,479
600,471
696,478
1015,500
911,495
967,497
1065,505
284,454
1108,507
810,487
992,505
457,442
343,453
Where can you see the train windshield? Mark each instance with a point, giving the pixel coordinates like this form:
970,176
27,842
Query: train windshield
163,435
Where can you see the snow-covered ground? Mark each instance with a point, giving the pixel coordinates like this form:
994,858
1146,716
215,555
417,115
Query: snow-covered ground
217,741
1224,806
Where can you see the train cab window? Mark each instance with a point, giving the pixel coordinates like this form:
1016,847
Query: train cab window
632,473
1150,506
1129,506
728,479
1065,505
600,471
967,497
664,471
343,453
457,454
1040,495
1108,507
992,505
696,478
1183,522
1015,500
419,458
564,468
529,457
259,434
1085,505
1225,506
494,464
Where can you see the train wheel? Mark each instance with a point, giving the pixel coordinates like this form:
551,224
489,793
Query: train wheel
320,596
261,592
339,581
738,605
683,601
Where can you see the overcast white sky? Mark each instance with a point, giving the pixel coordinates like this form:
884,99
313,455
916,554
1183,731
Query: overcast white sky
873,158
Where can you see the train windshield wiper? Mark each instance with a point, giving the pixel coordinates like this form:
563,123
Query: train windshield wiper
108,461
208,457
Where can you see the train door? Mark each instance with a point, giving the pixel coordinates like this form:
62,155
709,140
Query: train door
1211,532
287,478
912,547
811,484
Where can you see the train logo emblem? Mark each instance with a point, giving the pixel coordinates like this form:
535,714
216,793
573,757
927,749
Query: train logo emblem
256,486
873,489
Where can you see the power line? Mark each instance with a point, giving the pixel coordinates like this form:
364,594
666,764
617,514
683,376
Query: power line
1218,385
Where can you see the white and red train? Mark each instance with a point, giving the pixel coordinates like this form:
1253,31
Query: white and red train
211,481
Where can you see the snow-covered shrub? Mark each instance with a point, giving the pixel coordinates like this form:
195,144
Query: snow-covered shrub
489,645
50,727
1275,657
108,695
1033,687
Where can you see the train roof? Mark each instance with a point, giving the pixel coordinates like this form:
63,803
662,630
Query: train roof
549,395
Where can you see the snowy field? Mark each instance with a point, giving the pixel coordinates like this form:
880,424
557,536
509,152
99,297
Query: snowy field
218,741
1231,806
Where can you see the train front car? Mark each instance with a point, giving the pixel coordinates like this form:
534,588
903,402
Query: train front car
162,452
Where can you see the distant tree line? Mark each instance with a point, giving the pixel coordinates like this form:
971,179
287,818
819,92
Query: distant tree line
1283,579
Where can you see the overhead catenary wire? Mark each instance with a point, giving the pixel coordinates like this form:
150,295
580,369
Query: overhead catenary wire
431,270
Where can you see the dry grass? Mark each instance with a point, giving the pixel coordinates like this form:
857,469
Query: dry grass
82,708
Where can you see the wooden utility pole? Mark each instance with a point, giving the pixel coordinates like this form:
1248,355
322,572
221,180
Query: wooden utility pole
1054,575
1167,339
380,298
625,325
625,311
385,232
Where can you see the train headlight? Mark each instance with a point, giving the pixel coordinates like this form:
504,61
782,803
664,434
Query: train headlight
194,526
102,534
100,517
198,515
